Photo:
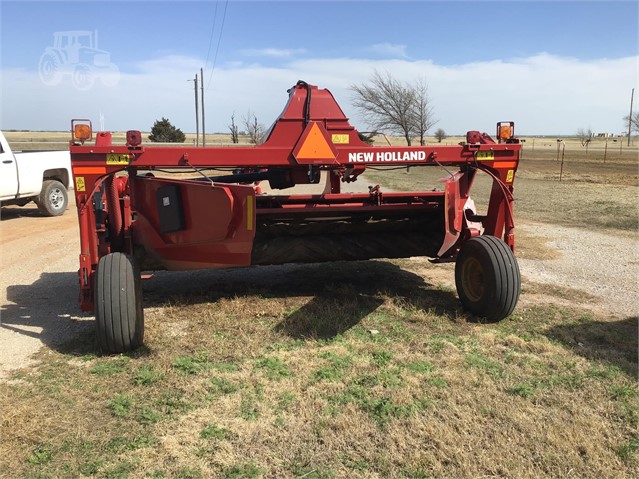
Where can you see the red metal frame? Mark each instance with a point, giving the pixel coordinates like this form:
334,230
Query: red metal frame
117,208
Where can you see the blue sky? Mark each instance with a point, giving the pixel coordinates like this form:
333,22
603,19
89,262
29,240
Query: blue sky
552,67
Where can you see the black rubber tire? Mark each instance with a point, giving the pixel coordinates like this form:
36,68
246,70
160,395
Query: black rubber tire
53,199
487,278
118,304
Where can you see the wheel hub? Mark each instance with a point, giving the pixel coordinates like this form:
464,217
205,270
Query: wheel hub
56,198
473,279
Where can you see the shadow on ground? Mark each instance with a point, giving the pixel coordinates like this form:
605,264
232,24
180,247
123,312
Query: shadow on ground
47,310
341,295
613,342
13,212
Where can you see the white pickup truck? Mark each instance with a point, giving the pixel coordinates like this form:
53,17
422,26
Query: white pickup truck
42,176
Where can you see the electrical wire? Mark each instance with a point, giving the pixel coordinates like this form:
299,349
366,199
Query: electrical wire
208,53
217,48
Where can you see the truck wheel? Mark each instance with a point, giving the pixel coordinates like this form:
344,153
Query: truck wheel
53,199
118,304
487,278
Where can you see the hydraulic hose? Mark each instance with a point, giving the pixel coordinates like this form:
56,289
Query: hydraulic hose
115,215
307,109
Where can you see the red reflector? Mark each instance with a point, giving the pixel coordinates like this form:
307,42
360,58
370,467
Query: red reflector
133,138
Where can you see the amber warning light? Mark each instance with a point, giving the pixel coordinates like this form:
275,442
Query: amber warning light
505,130
82,130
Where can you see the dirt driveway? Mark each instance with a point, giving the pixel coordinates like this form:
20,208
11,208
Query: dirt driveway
39,290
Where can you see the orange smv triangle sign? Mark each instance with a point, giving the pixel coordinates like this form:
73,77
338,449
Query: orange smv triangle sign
314,146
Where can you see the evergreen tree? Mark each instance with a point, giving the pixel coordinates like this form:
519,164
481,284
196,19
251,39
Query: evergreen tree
164,132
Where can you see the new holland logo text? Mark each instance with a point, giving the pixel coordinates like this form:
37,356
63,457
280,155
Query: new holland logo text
384,156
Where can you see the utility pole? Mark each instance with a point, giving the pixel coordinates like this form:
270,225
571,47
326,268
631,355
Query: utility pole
202,88
632,96
197,114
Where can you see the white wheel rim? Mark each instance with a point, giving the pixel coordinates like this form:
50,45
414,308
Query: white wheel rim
56,198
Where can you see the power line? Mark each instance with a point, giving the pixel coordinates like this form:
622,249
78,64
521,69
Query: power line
208,53
217,48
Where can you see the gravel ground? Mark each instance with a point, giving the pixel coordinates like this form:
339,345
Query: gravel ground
605,265
39,290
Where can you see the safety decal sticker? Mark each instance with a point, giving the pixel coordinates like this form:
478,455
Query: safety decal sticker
340,139
117,159
485,155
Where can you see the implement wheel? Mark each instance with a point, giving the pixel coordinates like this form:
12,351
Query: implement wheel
487,278
118,304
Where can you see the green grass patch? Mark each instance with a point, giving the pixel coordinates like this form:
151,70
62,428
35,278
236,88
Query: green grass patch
213,431
419,367
121,405
628,451
246,470
483,363
225,367
192,364
222,386
147,375
148,415
523,390
381,358
335,366
439,383
40,456
273,368
110,366
623,391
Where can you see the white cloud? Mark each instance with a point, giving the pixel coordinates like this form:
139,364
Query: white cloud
272,52
389,50
543,94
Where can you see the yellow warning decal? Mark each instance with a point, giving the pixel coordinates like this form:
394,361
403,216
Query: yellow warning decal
79,184
485,155
340,139
509,176
315,146
249,212
117,159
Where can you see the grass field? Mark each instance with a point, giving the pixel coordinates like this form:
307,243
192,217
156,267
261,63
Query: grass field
365,369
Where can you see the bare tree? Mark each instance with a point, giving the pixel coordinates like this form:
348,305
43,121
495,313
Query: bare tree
585,136
423,118
634,121
387,103
234,130
254,129
440,135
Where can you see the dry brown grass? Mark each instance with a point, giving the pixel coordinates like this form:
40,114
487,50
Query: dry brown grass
339,370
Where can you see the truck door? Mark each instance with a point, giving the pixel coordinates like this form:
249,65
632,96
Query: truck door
8,172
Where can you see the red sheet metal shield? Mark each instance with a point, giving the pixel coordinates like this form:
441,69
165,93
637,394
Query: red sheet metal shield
314,146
